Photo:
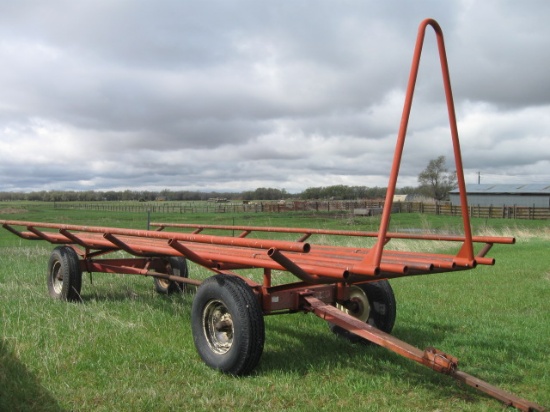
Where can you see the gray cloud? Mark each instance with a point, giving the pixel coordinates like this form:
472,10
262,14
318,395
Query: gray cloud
220,95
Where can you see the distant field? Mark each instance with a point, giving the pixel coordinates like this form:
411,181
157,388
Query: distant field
125,348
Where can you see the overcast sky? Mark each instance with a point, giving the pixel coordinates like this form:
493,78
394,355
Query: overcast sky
235,95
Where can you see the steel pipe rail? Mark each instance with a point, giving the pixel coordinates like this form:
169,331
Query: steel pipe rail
246,230
146,234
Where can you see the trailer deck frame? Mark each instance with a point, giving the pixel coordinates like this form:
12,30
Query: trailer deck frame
333,282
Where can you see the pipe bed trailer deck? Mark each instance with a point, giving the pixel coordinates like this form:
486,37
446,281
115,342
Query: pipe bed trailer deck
346,286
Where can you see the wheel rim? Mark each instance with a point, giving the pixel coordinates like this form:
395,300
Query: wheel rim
163,283
359,307
57,278
218,327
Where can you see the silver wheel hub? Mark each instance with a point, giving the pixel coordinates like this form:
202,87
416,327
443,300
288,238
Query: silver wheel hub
217,326
57,278
359,306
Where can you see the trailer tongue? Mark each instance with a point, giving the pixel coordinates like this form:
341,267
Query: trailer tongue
430,357
346,286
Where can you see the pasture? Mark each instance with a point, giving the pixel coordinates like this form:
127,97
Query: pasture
126,348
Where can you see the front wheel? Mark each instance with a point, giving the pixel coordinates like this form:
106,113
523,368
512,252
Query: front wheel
228,325
64,277
372,303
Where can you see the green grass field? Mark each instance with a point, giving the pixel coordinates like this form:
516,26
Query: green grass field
126,348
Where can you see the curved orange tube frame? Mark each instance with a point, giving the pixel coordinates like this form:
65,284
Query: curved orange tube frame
466,254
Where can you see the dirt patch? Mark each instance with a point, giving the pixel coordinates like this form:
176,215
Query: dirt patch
11,210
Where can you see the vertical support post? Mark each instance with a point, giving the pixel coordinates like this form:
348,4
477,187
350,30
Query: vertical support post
267,278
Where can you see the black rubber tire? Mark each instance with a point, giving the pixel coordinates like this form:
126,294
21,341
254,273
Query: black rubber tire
176,266
236,345
64,277
382,312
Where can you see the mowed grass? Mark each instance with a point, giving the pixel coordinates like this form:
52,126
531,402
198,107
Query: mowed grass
125,348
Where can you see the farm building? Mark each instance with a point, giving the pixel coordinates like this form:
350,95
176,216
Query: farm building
531,195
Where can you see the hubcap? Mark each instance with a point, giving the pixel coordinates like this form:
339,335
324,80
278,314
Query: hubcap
163,283
57,278
218,327
359,306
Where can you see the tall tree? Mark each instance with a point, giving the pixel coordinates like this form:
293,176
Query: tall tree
436,180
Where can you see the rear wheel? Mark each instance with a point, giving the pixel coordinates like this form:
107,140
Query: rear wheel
372,303
228,325
176,266
64,277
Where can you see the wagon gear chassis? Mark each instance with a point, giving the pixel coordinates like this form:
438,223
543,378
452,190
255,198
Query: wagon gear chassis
346,286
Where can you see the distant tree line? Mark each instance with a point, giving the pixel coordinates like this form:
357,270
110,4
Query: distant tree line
435,181
337,192
111,195
344,192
